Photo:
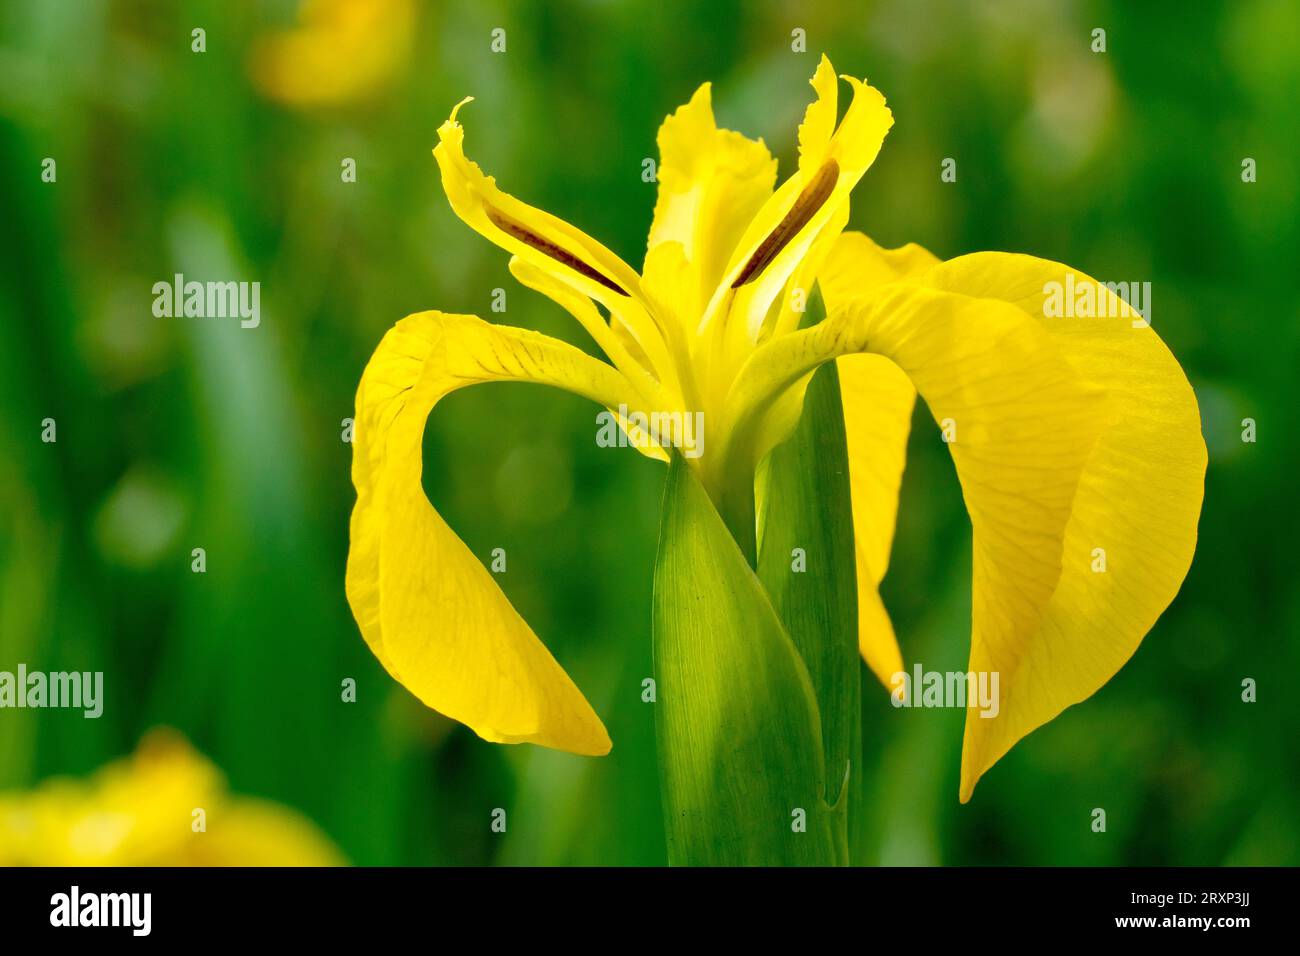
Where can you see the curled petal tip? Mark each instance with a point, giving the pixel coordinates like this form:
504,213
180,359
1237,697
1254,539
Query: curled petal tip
456,109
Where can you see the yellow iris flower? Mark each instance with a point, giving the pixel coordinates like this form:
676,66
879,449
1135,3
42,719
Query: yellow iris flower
165,805
1071,434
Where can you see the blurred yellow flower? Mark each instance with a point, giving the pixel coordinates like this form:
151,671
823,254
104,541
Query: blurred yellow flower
165,805
342,50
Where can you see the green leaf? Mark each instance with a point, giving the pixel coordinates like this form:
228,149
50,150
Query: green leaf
739,736
808,523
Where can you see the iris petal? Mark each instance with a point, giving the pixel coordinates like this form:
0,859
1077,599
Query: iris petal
1138,500
711,184
550,244
811,206
427,607
852,148
878,400
1070,435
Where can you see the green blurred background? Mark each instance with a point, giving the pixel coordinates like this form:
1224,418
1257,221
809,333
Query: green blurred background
175,434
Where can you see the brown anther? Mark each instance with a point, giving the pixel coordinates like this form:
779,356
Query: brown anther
550,249
812,198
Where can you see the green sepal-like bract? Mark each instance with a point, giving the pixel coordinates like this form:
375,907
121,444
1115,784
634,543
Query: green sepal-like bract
739,734
767,713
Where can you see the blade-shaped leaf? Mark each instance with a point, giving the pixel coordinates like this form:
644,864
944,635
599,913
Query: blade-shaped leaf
739,735
807,565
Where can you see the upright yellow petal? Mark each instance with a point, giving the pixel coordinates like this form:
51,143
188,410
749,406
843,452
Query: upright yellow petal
669,281
819,118
799,288
425,604
711,184
533,234
1070,435
782,233
551,245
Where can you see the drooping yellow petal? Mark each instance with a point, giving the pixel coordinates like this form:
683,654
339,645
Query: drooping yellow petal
1024,423
1069,435
343,50
425,604
1132,527
711,184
